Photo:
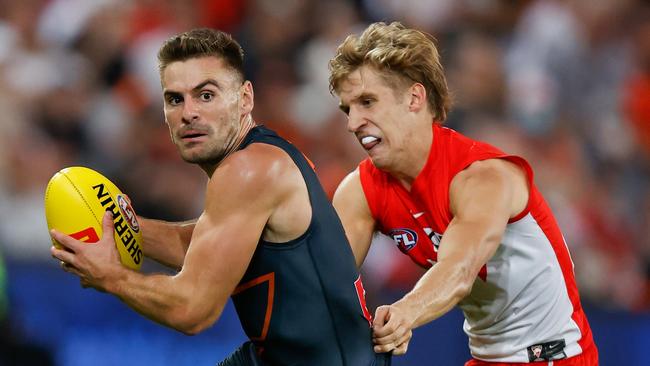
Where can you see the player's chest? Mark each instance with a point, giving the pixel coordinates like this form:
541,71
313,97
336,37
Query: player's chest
416,225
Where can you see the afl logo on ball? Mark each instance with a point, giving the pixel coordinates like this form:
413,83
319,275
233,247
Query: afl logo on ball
127,212
405,239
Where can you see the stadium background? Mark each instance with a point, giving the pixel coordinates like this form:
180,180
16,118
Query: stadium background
564,83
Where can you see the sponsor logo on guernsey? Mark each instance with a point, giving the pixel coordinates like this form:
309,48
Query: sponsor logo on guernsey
434,237
127,211
406,239
549,351
418,214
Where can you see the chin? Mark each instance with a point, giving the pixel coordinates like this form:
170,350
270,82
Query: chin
190,159
379,162
195,159
201,157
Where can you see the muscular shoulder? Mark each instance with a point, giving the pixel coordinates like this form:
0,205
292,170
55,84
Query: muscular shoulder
496,177
271,180
257,164
349,190
488,169
351,181
259,169
496,169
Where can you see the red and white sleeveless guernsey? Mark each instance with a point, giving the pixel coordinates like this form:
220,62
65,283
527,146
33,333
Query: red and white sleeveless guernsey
524,305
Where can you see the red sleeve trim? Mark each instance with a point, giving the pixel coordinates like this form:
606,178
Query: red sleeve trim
523,164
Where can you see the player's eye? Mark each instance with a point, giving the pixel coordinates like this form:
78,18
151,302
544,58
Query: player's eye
174,100
206,96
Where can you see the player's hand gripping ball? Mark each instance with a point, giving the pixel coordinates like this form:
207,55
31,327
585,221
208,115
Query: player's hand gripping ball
75,201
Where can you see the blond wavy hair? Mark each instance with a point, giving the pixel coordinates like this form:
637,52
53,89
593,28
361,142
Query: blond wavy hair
402,55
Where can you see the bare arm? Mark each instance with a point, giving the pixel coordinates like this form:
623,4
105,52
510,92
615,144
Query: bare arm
222,244
482,198
166,242
351,206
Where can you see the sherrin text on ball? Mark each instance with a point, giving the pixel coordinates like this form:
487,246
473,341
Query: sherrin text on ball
75,201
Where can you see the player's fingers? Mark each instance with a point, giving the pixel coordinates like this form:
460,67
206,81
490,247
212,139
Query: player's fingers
404,340
73,270
381,315
67,242
398,347
401,349
393,324
384,348
62,255
389,334
107,222
70,268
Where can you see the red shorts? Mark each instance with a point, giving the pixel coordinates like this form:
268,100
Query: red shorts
587,358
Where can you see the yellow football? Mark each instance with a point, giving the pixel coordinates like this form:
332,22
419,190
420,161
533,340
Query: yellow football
75,201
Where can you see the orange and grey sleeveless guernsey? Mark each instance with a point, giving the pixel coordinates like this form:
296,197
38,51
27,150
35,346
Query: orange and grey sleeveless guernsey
302,302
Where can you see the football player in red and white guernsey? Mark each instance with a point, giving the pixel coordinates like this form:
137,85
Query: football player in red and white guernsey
462,208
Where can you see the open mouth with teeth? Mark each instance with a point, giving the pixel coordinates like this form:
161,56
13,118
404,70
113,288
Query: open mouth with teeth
369,142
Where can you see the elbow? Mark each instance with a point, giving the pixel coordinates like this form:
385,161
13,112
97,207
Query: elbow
194,322
462,290
192,329
464,284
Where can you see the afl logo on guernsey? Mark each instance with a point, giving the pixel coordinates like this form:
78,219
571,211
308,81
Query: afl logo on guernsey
127,212
406,239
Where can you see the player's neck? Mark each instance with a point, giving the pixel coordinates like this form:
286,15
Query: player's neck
414,158
246,125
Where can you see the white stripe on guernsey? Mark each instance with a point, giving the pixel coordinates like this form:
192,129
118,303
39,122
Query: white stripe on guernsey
524,301
542,213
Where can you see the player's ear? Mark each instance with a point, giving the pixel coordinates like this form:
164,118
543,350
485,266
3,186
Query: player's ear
417,97
247,100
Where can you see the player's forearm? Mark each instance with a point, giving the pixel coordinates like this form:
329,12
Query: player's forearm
436,293
163,299
465,248
166,242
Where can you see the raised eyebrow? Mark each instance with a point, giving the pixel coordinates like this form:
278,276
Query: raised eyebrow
346,108
207,82
169,93
363,96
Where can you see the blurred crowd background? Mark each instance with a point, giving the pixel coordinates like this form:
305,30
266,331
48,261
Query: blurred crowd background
563,83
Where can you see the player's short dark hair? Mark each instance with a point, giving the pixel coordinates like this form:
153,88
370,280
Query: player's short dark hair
202,42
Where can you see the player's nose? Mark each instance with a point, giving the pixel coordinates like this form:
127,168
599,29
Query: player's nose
190,110
355,121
